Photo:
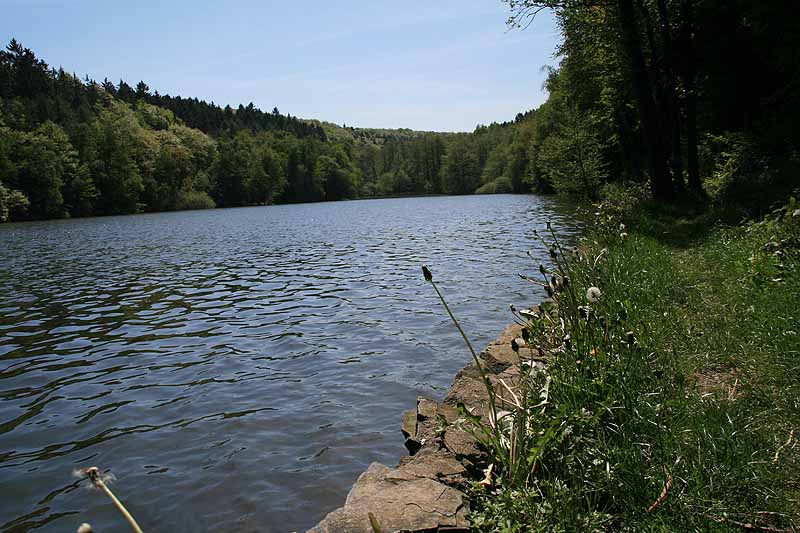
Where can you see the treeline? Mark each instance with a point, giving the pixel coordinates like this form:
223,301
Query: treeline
76,147
689,96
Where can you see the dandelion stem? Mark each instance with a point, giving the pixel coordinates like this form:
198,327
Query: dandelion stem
484,377
94,476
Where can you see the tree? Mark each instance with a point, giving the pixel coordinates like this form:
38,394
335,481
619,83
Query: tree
571,158
644,43
460,169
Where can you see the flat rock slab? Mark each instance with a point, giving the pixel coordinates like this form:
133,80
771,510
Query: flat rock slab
398,501
433,464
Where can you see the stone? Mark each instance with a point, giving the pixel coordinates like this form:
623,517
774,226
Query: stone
469,389
400,503
501,355
512,331
426,408
433,464
409,427
461,443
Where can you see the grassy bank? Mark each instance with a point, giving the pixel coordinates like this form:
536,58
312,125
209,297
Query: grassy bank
672,392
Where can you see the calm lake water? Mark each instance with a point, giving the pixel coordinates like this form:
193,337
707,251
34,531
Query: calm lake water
237,369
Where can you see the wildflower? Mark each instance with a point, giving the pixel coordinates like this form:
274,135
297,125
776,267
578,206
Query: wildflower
593,294
622,227
85,528
427,273
623,235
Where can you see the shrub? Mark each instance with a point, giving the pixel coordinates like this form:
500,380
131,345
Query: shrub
193,200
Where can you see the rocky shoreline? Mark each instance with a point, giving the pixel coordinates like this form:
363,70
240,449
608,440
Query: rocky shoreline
423,492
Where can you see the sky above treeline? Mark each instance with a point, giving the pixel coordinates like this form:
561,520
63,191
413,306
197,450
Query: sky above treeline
440,65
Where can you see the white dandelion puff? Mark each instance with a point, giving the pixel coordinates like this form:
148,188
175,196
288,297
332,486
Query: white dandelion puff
85,528
593,294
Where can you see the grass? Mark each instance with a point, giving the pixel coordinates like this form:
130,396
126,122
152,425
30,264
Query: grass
670,401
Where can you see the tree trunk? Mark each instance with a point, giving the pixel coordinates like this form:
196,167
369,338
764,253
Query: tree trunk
671,107
660,178
689,76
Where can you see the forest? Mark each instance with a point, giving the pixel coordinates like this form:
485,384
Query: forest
681,97
72,147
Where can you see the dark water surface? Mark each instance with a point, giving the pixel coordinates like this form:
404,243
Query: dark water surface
237,369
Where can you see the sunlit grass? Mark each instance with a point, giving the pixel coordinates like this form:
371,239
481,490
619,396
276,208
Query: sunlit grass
672,392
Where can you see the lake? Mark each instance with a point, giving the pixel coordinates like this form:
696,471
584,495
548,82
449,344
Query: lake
237,369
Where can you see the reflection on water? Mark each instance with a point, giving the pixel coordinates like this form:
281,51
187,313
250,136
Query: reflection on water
237,367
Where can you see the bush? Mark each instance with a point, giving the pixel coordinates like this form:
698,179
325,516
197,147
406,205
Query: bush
744,176
194,200
13,204
501,185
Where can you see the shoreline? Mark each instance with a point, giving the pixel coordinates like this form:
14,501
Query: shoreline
423,492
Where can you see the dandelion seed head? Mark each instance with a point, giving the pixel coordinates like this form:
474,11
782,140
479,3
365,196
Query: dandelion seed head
593,294
94,476
427,273
622,227
85,528
623,235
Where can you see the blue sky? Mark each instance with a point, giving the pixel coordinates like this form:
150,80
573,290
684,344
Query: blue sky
443,65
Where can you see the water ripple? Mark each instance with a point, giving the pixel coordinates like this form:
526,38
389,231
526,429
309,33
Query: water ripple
237,368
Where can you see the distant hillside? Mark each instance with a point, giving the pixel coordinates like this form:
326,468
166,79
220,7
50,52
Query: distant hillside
377,136
78,147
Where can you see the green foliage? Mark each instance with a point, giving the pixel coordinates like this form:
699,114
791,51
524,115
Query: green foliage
194,200
501,185
13,203
571,157
667,401
110,149
460,168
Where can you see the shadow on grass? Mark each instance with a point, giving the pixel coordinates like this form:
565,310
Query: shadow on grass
689,222
678,225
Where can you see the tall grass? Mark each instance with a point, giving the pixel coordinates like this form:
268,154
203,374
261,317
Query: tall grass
671,393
